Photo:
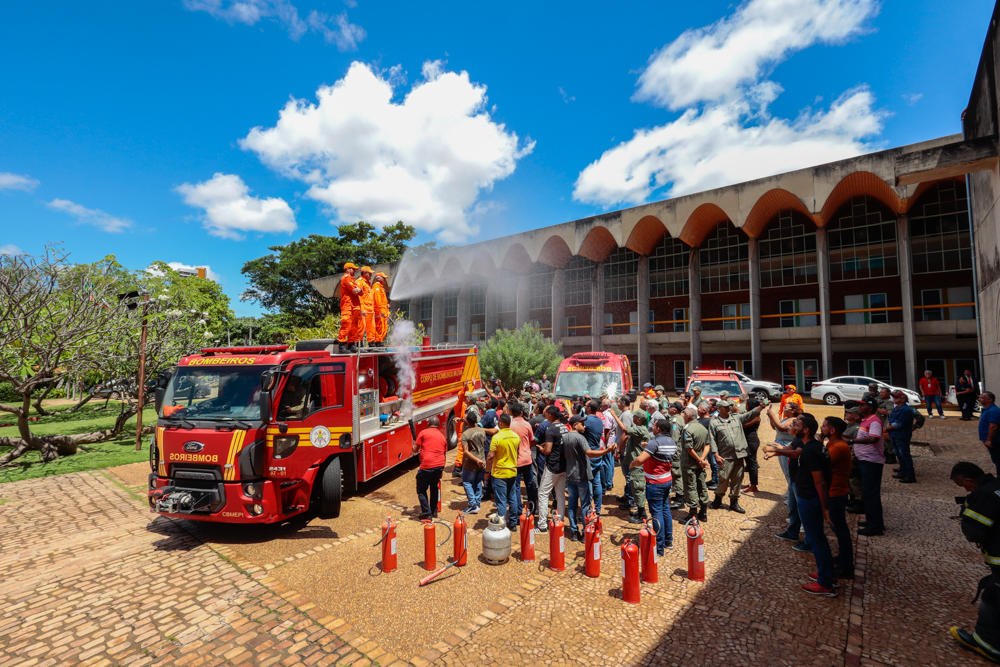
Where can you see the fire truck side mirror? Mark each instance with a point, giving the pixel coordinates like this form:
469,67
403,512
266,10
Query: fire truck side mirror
162,380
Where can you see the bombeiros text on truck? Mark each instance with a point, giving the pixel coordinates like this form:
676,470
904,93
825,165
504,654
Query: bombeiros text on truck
261,434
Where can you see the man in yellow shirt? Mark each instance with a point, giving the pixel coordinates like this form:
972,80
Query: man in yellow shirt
502,464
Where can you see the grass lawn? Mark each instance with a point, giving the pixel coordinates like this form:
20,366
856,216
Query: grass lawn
115,452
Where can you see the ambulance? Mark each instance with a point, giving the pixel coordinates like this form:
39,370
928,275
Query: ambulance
594,374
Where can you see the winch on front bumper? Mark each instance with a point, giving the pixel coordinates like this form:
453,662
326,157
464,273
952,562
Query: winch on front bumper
190,492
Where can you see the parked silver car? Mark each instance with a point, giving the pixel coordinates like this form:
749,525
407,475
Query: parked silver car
759,387
852,388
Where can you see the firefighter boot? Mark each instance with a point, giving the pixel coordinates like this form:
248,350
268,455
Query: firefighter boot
717,503
967,640
637,517
703,514
734,505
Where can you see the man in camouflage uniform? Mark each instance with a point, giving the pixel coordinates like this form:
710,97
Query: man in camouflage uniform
853,418
635,438
696,397
694,464
729,445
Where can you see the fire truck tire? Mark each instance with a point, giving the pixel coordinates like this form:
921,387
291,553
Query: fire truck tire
452,437
331,489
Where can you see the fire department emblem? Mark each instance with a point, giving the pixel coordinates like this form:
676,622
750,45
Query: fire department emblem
319,436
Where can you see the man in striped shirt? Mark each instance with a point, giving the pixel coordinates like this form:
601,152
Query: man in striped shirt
657,463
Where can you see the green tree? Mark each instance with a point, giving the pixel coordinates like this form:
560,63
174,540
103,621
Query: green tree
519,355
280,281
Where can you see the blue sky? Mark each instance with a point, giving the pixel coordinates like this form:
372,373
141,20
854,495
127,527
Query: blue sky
128,128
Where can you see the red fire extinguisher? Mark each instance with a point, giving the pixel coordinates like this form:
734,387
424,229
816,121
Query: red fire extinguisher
557,545
527,536
647,552
461,541
592,549
430,546
696,549
389,545
630,572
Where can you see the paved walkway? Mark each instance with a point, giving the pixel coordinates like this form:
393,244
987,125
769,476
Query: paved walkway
92,578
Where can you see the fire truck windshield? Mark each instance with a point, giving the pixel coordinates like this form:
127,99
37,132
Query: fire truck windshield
214,394
594,383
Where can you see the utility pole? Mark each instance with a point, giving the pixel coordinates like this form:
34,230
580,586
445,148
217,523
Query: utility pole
142,373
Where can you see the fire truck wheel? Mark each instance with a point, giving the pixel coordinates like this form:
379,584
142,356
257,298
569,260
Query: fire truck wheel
331,490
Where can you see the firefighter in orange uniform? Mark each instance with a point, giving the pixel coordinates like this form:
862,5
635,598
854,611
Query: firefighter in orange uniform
790,396
350,307
367,322
458,422
381,309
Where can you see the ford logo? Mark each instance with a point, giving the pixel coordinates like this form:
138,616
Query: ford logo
193,447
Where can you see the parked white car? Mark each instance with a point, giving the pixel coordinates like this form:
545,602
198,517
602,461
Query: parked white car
852,388
759,387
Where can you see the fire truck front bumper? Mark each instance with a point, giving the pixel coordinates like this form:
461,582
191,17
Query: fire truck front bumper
225,502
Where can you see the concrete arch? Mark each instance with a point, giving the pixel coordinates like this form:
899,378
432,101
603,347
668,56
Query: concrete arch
701,222
922,189
646,235
598,245
481,263
453,268
859,183
426,272
516,259
555,252
768,206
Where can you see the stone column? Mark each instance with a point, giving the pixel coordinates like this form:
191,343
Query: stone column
558,305
642,304
906,286
491,309
464,328
523,298
823,274
597,308
437,318
756,347
694,307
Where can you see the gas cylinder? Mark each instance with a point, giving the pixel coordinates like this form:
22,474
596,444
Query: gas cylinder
496,540
630,572
557,544
696,549
461,540
389,545
527,536
647,553
430,545
592,550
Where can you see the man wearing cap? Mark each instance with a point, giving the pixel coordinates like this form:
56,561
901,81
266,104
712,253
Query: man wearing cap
676,433
883,406
899,424
636,437
696,397
790,396
381,310
729,445
724,395
872,392
661,400
350,307
367,300
647,390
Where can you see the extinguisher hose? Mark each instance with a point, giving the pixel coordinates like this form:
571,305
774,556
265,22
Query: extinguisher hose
436,573
449,533
382,540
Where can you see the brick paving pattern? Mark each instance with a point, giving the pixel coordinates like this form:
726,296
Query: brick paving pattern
91,578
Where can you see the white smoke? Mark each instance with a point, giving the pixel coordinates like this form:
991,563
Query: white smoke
401,341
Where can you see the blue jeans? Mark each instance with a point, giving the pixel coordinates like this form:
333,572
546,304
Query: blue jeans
795,520
811,511
871,487
837,506
597,486
505,497
902,448
527,474
715,469
609,471
658,499
472,480
577,505
935,400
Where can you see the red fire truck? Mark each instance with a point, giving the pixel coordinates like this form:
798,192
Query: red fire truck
594,374
260,434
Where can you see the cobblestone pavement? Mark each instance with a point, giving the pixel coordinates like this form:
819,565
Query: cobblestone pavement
92,578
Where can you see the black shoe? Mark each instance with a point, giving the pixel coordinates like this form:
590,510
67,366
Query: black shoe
897,470
908,480
717,503
712,486
635,518
457,472
624,506
856,509
841,573
669,545
871,531
891,460
898,475
734,506
703,514
676,506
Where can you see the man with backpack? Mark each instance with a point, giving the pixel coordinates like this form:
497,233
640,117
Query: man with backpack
900,425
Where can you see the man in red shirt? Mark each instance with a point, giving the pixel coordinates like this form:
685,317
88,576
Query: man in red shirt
931,390
431,445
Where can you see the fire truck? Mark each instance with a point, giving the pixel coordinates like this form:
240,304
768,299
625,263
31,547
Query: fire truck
594,374
261,434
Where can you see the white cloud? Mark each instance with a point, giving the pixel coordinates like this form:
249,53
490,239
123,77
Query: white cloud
10,249
732,137
424,160
91,216
229,208
710,63
9,181
566,98
344,34
912,98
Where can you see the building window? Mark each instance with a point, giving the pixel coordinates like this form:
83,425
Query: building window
477,298
541,286
619,276
426,307
403,307
680,373
505,325
478,331
877,369
668,268
939,230
451,303
800,372
506,286
571,325
740,314
725,260
451,331
679,318
635,372
788,252
800,313
863,241
633,319
868,303
942,297
579,274
609,322
744,366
